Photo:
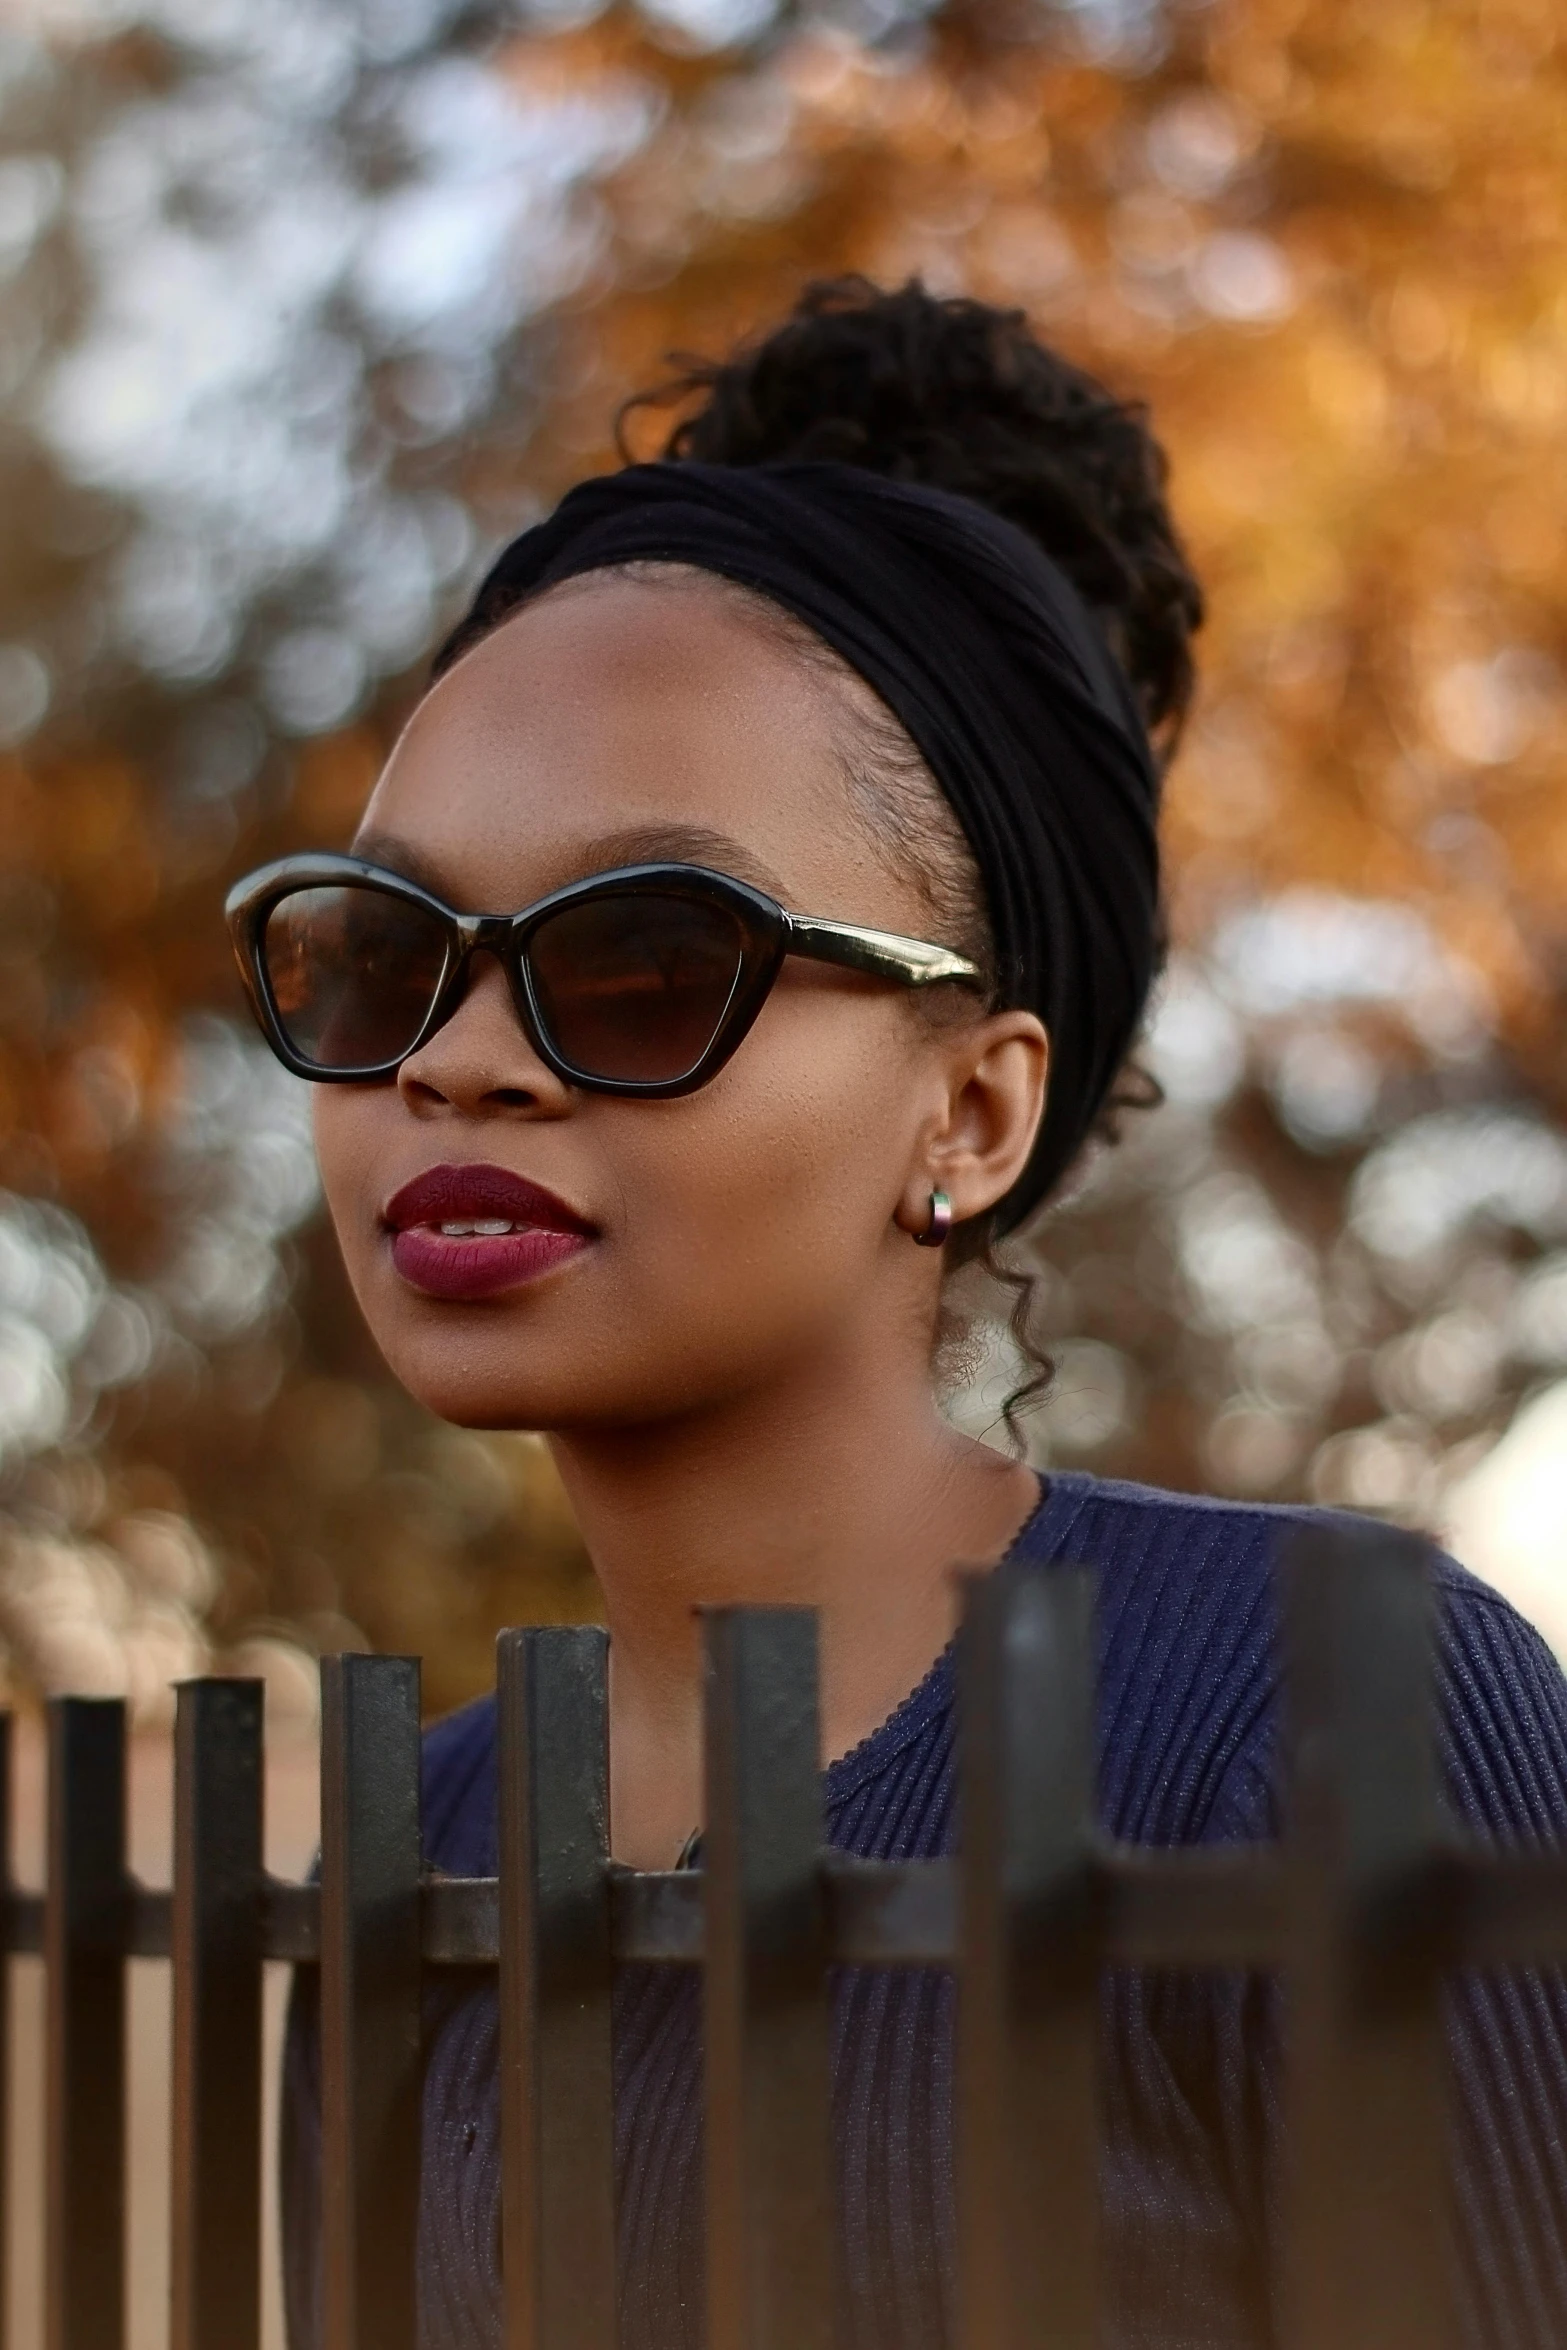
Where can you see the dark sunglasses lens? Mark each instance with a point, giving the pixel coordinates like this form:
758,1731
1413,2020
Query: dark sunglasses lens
353,973
635,987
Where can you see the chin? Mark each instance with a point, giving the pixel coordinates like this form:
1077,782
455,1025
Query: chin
562,1397
467,1399
493,1386
586,1364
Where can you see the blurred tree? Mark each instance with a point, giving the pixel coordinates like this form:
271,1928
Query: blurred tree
301,317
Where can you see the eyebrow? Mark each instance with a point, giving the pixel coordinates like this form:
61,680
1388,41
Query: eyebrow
658,844
399,856
681,844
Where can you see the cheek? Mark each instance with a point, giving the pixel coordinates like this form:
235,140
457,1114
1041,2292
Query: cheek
353,1128
781,1177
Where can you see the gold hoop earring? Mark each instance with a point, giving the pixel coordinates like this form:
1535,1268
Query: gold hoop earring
940,1223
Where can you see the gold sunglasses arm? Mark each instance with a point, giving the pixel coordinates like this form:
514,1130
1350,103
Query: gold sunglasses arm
880,952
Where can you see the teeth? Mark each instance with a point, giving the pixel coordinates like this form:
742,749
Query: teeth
479,1228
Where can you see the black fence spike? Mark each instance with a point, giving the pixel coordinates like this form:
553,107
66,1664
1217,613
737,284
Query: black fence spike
770,2224
556,1978
8,1899
1369,2229
370,2000
85,1916
215,2264
1028,2005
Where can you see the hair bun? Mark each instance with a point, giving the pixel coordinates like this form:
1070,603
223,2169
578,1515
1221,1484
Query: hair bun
960,394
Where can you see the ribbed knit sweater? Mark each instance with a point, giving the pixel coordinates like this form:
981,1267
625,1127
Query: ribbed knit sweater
1188,1677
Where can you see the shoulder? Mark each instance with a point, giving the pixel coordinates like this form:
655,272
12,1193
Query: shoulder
1504,1713
1189,1662
458,1783
1142,1542
1187,1656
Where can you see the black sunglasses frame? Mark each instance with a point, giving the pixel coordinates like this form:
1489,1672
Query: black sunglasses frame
768,933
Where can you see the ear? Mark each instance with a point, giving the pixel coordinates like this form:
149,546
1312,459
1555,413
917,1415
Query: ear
977,1144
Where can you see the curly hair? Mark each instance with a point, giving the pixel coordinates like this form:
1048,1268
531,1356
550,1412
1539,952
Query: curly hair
960,395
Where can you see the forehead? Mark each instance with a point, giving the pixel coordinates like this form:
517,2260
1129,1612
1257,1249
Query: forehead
619,707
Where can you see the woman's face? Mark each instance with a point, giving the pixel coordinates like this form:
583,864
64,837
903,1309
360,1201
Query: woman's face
724,1237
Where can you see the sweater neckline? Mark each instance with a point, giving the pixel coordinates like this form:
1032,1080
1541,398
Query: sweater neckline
1037,1541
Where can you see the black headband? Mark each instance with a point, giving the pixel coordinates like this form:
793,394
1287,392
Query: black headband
984,652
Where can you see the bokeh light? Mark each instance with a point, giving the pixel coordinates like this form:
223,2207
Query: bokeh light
303,310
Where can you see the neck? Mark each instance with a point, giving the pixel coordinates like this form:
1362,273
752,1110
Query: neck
841,1490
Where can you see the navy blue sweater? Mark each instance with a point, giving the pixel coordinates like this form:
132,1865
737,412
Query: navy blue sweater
1188,1680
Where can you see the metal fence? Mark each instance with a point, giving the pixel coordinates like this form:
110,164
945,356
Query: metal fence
1360,1909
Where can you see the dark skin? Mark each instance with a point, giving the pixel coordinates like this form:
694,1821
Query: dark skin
734,1374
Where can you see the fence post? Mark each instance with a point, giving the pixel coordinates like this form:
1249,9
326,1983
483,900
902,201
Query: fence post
771,2233
7,1896
556,1978
1028,2013
1369,2231
85,1909
370,1982
216,1950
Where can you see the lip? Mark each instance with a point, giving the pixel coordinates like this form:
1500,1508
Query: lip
545,1231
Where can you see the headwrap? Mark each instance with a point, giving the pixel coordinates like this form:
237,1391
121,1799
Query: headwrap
985,653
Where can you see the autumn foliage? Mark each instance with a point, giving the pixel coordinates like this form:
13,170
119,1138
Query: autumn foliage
1327,242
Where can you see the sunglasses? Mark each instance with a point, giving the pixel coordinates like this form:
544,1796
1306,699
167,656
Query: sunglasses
641,981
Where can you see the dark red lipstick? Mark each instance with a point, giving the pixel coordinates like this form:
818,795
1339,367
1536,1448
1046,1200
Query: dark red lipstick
472,1232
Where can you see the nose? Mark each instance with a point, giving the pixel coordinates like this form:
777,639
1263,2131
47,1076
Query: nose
482,1063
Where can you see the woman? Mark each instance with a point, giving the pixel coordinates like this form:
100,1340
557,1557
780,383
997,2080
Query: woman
891,641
